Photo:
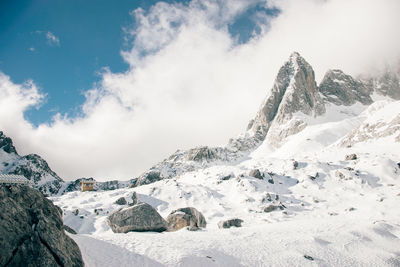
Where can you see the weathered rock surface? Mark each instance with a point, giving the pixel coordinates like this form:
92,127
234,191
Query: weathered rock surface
201,154
273,207
149,177
256,174
379,124
6,144
342,89
386,83
186,217
229,223
120,201
138,218
31,231
351,157
134,199
69,229
294,90
31,166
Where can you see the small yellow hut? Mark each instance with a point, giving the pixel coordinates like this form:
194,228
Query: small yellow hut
87,185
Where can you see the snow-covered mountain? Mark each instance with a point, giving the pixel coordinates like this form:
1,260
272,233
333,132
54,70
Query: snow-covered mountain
32,166
38,172
315,179
294,101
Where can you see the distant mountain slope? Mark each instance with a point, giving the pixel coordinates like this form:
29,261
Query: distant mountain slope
294,104
294,101
31,166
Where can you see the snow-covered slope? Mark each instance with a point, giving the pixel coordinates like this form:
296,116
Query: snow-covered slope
334,183
339,212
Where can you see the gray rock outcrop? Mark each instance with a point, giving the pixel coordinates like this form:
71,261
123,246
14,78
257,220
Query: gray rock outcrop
273,207
386,83
294,90
138,218
256,174
32,167
134,199
186,217
32,232
69,229
120,201
342,89
350,157
230,223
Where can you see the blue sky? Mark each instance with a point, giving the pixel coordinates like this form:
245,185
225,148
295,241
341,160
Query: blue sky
64,45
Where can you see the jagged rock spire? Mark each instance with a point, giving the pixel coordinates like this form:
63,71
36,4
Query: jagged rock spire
294,90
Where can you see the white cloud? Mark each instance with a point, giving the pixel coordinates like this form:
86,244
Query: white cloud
52,39
189,83
32,49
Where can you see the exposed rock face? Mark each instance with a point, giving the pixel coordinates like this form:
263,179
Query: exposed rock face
386,83
229,223
341,89
121,201
256,174
186,217
273,207
294,90
351,157
201,154
69,229
138,218
134,199
36,169
31,231
31,166
149,177
382,122
6,144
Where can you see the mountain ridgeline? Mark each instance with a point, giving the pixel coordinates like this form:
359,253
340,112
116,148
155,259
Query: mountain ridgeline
294,98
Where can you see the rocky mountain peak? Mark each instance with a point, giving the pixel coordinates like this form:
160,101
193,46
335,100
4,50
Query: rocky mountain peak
342,89
6,144
294,90
32,167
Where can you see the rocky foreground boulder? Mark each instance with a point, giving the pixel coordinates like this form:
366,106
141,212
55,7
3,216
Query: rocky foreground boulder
31,231
186,217
138,218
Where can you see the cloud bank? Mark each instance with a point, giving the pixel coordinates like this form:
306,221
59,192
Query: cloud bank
191,83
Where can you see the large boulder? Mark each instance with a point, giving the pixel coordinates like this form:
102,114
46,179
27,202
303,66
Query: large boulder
138,218
229,223
186,217
32,232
